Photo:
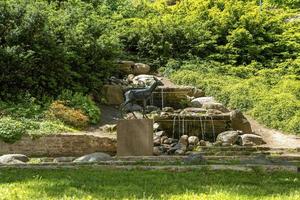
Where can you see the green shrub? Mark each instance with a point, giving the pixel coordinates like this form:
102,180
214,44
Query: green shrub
245,94
70,116
276,110
25,106
85,103
293,124
270,97
47,47
11,130
47,127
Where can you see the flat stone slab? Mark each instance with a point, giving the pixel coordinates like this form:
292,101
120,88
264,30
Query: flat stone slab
175,168
135,137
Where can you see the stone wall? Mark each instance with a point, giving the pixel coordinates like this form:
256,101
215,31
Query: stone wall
61,145
172,96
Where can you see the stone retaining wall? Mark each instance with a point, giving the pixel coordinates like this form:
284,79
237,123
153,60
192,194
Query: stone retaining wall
61,145
173,97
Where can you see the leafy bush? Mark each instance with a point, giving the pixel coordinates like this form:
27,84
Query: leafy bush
277,110
25,106
271,96
237,53
85,103
45,127
46,48
11,130
70,116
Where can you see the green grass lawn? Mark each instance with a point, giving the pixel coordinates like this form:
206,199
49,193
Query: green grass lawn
88,183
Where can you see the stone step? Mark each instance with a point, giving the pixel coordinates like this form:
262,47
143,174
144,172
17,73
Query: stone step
186,160
287,157
236,153
175,168
249,148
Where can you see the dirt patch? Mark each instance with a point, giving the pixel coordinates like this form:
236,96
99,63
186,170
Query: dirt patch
274,138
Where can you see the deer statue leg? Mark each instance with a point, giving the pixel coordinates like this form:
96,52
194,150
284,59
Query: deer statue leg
144,107
122,107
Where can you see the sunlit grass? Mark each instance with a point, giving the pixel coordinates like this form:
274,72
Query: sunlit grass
87,183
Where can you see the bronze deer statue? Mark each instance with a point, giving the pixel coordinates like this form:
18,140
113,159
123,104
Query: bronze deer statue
144,94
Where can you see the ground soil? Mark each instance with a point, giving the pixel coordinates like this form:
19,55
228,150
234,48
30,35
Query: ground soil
274,138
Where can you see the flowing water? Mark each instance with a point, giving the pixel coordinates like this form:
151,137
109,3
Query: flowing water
201,128
182,125
174,123
162,98
213,128
183,130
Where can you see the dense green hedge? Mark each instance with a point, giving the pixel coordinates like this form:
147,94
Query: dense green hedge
228,31
45,48
272,96
49,46
247,58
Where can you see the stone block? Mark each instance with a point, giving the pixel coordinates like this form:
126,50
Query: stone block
113,94
135,137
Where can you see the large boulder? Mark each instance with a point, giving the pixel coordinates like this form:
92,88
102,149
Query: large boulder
184,140
130,78
157,140
215,106
163,138
179,148
193,140
156,126
198,102
240,122
140,68
250,140
113,94
158,150
126,66
160,133
228,137
143,79
13,159
94,157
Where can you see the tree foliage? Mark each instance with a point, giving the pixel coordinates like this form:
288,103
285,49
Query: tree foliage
45,48
244,54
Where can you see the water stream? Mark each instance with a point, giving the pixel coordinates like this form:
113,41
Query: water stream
162,98
213,128
183,130
174,124
201,128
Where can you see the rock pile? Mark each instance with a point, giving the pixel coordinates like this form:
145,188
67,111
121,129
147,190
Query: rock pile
164,145
223,127
130,67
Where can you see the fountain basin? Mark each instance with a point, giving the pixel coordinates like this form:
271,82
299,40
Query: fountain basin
206,127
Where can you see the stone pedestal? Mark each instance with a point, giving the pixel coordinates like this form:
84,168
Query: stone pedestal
135,137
